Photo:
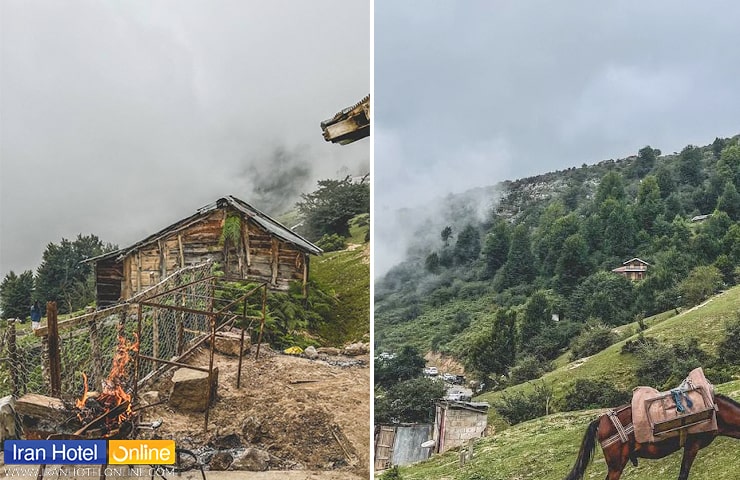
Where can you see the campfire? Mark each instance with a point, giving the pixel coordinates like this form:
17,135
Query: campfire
109,413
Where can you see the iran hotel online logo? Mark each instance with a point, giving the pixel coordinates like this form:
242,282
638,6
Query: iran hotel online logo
89,452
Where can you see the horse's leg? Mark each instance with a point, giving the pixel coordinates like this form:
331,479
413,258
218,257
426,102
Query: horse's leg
616,463
690,449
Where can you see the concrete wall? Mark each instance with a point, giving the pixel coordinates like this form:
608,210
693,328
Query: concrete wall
459,425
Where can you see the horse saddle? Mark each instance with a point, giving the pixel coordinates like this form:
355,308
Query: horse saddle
659,415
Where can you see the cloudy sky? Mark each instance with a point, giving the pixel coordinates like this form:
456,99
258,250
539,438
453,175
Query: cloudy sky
471,93
121,117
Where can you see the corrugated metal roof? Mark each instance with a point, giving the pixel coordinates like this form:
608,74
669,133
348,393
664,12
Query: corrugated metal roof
263,220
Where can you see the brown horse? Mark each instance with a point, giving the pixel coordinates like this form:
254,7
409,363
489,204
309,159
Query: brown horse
617,454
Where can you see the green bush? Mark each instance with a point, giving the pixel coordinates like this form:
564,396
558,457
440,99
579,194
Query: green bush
729,347
528,368
664,366
592,340
587,394
633,346
391,474
519,407
332,243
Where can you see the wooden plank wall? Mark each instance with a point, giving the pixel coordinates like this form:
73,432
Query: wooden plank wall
108,275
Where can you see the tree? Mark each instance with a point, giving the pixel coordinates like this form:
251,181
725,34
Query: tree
536,316
611,186
330,208
520,266
606,296
496,248
467,247
16,294
729,201
62,275
717,145
619,228
432,263
574,263
410,401
644,162
689,167
493,351
649,203
405,365
446,234
702,282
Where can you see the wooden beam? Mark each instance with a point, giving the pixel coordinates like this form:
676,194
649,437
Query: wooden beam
245,241
182,251
55,360
275,260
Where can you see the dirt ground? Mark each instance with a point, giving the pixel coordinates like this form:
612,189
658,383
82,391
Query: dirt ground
310,415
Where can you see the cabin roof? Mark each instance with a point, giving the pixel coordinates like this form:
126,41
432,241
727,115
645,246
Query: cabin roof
349,124
262,219
635,259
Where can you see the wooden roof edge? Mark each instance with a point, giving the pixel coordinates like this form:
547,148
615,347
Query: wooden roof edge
271,225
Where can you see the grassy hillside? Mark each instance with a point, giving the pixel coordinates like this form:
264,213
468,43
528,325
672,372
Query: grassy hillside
705,323
546,448
347,275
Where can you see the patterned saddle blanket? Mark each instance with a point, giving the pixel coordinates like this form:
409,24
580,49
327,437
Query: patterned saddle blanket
660,415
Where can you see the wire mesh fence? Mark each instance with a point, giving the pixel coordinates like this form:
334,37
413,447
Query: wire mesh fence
87,343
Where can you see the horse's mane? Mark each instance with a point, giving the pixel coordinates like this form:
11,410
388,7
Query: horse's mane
725,397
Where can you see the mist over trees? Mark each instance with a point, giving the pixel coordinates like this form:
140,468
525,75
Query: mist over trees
535,275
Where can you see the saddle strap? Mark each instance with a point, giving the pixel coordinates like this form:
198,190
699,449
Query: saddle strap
617,437
622,431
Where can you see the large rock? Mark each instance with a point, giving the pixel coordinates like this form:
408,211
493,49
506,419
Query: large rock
7,418
189,388
356,349
228,343
253,459
329,350
311,353
220,461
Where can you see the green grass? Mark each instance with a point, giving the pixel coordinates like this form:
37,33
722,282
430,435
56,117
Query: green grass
546,448
347,274
358,228
705,324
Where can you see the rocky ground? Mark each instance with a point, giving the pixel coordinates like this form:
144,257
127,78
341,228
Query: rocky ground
291,413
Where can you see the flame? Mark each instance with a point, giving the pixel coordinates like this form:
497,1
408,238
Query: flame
80,403
113,393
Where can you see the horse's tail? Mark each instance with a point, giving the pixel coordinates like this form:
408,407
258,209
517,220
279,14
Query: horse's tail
588,445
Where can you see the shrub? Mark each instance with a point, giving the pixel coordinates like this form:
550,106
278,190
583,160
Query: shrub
729,347
633,346
664,366
587,393
552,339
592,340
519,407
391,474
528,368
332,243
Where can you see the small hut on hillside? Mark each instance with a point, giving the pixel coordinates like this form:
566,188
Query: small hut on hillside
634,269
248,243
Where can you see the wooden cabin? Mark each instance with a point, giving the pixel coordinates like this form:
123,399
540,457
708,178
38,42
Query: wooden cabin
348,125
246,242
634,269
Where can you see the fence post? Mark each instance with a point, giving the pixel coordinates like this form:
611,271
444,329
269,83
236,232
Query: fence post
13,358
55,361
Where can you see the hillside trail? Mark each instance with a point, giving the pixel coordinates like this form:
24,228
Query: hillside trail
309,415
